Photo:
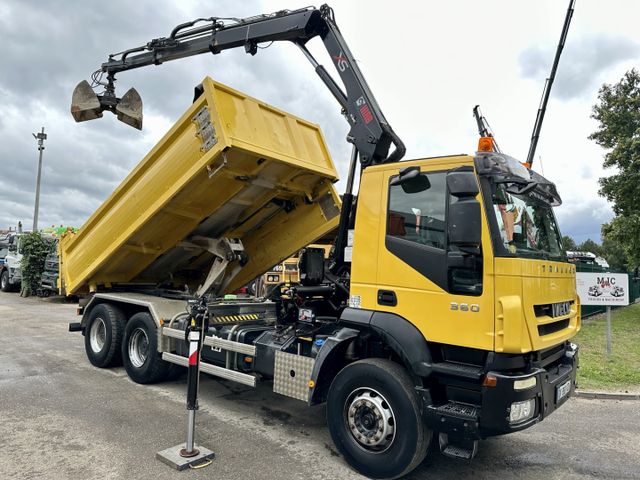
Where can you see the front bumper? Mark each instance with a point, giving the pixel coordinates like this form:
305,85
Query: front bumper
497,400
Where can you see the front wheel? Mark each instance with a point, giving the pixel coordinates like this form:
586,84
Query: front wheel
5,286
140,354
373,414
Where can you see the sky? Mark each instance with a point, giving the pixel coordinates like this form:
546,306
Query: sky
428,63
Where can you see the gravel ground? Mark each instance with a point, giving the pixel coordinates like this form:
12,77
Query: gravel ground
61,418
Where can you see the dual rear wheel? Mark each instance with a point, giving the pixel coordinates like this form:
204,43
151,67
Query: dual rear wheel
111,340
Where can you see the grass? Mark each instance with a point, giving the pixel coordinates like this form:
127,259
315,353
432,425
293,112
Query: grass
620,371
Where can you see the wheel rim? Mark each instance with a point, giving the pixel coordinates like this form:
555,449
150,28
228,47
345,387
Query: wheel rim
98,335
138,347
370,420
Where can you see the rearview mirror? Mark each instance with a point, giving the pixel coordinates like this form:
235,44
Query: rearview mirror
462,183
411,180
463,223
463,218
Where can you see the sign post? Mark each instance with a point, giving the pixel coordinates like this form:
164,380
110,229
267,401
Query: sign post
606,289
608,330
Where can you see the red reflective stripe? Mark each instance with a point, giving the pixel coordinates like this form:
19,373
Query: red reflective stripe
193,353
367,116
193,358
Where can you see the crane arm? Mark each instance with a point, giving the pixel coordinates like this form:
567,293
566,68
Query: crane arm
370,133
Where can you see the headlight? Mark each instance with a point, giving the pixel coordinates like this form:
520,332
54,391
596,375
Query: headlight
521,411
525,383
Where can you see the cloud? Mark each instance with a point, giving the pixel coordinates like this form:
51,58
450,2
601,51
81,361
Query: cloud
581,219
583,61
44,58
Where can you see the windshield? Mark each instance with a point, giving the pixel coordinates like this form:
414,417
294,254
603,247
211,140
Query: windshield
526,224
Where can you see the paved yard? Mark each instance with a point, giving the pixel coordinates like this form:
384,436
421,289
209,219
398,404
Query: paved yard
62,418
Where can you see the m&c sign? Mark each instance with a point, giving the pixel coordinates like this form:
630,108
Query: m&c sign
603,288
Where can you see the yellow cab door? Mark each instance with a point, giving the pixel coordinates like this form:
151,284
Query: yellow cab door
418,277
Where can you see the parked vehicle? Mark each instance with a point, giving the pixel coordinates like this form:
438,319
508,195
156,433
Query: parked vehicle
426,323
4,249
10,274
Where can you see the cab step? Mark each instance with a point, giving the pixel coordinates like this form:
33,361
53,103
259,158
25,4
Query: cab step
458,419
457,410
457,448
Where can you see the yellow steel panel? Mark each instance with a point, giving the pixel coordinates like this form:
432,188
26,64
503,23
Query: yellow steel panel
536,282
420,301
263,158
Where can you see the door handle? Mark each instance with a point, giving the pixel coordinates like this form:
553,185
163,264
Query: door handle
387,297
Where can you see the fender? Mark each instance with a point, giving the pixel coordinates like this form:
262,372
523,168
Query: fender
400,334
329,362
397,332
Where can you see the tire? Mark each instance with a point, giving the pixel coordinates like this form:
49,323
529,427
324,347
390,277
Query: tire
103,335
140,354
5,286
399,440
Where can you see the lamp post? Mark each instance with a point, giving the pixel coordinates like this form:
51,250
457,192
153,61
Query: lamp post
40,137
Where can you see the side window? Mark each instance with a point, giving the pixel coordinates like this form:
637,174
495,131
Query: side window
419,216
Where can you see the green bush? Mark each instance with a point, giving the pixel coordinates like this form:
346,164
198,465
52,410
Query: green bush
35,249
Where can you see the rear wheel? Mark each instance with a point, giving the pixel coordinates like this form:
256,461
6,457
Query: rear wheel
373,414
103,335
140,354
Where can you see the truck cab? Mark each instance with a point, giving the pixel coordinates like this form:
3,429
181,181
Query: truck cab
465,252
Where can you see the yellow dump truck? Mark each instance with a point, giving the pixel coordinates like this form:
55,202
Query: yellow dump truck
445,311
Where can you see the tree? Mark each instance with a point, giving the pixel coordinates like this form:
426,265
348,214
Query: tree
34,253
569,243
613,251
625,231
590,246
618,115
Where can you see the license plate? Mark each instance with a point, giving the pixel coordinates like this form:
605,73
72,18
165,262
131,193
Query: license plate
563,390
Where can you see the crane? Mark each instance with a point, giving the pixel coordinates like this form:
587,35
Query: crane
370,133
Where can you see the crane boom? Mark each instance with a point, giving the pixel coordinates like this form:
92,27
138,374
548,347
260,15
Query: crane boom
370,133
548,84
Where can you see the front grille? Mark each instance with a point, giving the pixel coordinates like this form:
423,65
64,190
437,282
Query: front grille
548,310
550,328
